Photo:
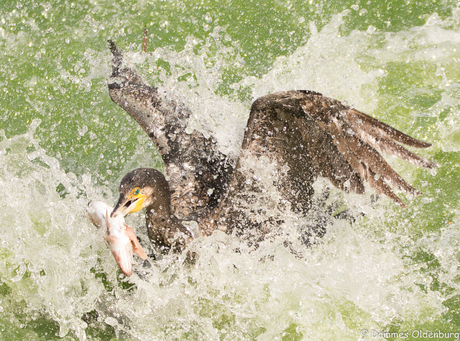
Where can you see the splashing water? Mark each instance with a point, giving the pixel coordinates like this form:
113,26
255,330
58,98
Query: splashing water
390,270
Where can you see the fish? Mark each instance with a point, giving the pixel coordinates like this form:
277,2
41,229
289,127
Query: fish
120,237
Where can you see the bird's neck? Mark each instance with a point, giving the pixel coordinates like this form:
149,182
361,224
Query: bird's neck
166,231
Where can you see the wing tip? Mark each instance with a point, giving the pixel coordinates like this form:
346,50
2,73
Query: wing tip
113,48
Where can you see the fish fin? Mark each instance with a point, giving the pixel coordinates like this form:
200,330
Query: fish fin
123,257
124,261
137,248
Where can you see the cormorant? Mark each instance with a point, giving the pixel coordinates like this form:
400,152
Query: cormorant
291,138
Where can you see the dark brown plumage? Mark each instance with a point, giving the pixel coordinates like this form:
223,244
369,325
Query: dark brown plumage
291,138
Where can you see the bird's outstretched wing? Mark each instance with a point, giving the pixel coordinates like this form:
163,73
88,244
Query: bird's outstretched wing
198,174
294,136
291,138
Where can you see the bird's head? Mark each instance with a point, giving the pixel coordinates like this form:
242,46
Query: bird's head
140,188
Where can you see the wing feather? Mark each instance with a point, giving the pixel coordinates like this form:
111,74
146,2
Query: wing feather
379,129
319,136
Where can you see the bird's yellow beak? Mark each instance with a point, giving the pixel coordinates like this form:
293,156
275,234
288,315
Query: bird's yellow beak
130,203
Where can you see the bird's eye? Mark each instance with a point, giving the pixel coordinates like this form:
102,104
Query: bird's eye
136,191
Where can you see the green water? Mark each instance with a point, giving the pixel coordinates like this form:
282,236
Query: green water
391,271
